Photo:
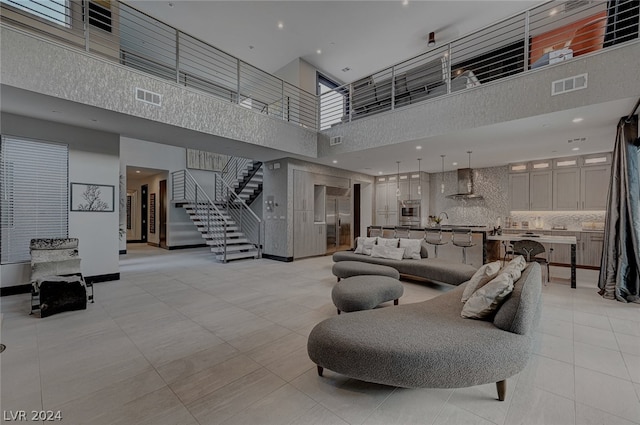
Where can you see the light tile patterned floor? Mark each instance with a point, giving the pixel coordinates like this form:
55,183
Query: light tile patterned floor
181,339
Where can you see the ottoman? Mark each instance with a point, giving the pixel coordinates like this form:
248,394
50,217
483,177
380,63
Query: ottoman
365,292
345,269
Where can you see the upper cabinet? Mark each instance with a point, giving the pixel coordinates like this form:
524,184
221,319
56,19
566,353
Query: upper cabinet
302,190
562,184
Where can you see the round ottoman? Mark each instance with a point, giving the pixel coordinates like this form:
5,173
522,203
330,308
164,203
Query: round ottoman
365,292
345,269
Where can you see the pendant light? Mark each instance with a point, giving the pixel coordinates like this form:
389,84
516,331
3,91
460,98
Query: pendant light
419,178
398,193
442,175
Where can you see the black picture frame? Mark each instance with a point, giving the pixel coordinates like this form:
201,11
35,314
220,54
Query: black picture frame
91,197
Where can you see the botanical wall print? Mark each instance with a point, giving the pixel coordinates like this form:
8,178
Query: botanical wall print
152,213
92,197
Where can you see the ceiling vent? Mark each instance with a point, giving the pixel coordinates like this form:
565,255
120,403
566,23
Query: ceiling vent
335,140
566,85
147,96
572,5
577,140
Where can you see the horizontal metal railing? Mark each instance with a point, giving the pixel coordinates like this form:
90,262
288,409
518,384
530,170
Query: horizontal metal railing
541,36
126,35
208,217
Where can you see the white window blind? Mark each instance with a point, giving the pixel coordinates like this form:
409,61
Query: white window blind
34,194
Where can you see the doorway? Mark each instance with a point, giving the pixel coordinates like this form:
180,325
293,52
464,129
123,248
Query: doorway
163,214
144,199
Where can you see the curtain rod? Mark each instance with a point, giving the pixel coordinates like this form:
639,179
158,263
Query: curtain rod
633,111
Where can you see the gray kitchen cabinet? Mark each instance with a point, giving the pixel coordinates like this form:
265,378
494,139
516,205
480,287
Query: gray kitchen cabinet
303,234
519,191
590,248
320,238
594,185
302,190
540,190
566,189
562,252
386,201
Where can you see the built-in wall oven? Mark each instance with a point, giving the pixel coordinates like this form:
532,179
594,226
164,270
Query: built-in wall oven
409,213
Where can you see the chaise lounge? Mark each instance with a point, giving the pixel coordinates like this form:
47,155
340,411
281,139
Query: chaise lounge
429,344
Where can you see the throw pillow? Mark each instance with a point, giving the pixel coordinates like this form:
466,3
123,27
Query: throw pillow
388,252
486,300
512,270
411,248
364,245
388,242
480,278
424,249
519,262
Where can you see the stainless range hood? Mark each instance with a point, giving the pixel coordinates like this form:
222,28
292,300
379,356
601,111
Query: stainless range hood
465,185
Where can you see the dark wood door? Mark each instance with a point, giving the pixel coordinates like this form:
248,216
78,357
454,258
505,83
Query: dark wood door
144,211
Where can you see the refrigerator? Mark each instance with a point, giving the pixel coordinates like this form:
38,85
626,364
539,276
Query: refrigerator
338,219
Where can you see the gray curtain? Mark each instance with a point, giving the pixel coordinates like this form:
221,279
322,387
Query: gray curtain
619,273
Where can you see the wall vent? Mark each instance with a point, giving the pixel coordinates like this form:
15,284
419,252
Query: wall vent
147,96
566,85
336,140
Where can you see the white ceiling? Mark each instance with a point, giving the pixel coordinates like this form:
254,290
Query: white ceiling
381,32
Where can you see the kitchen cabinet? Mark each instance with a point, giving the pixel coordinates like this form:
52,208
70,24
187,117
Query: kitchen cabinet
302,190
540,190
386,201
519,191
319,238
562,252
303,235
594,186
590,248
566,189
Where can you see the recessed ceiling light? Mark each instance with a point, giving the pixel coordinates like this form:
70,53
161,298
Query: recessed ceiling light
553,12
280,25
454,163
319,51
578,119
418,147
380,172
335,161
405,2
137,171
575,149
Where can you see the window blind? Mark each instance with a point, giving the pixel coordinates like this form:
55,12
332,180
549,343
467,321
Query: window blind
34,193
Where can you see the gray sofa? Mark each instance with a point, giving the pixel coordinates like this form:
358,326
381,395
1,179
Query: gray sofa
433,269
429,345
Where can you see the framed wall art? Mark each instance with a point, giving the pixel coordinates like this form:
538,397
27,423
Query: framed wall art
88,197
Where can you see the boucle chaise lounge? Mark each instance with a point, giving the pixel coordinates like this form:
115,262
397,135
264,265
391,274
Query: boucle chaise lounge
429,344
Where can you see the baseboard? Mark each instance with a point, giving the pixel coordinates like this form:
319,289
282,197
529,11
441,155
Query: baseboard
277,258
122,252
200,245
102,278
14,290
135,241
157,245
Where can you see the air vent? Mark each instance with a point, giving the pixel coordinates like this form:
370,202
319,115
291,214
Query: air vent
577,82
577,140
575,4
147,96
336,140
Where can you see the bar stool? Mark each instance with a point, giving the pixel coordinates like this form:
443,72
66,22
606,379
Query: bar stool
434,237
375,231
463,239
402,232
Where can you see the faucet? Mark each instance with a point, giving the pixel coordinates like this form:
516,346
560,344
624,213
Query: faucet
445,214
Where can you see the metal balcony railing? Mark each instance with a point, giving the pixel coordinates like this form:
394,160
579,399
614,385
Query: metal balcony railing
119,32
544,35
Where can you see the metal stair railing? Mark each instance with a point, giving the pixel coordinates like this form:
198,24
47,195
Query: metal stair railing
232,172
247,221
187,190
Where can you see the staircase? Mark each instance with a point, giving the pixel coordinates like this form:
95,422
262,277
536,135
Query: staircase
249,185
227,224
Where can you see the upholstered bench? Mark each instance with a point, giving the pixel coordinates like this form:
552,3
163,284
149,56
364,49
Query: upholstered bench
365,292
345,269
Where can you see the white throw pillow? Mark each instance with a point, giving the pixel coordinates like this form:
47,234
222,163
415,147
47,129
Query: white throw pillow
364,245
411,248
480,278
388,242
486,300
388,252
518,262
512,270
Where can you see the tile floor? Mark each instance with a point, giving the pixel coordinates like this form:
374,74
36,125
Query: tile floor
183,340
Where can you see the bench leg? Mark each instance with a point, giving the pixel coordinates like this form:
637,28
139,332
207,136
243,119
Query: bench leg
502,389
338,279
338,311
320,369
395,302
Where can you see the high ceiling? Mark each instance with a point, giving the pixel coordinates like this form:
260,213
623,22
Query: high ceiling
381,32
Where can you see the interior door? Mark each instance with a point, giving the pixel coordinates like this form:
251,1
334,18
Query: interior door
332,224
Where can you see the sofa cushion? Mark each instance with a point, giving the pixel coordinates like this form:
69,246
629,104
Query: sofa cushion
411,248
392,242
521,311
486,300
424,249
364,245
480,278
388,252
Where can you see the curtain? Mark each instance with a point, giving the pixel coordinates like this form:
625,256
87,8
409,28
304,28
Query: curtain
619,268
